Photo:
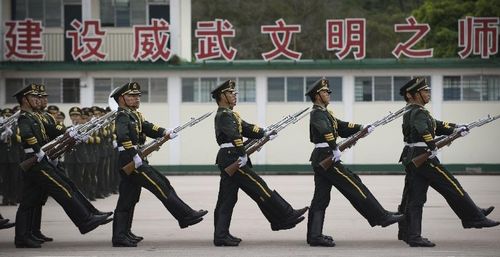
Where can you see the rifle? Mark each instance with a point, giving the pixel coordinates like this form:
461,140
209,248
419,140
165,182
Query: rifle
447,140
352,140
12,120
65,142
155,144
256,144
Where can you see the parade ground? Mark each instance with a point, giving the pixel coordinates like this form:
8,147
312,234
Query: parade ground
352,233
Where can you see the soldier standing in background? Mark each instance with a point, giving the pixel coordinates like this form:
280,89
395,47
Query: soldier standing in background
131,132
324,129
229,132
419,132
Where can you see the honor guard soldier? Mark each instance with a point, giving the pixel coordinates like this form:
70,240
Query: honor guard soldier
9,160
131,132
419,132
42,177
324,129
230,129
53,110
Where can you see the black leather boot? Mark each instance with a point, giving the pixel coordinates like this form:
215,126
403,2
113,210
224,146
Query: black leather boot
184,214
315,235
22,231
120,230
483,223
5,224
131,235
488,210
286,216
36,225
415,228
93,222
391,218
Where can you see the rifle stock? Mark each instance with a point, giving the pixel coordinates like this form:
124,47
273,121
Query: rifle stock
420,159
231,169
130,167
28,163
348,143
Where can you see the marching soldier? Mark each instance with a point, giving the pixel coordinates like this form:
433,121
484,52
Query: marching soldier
419,132
42,177
9,160
131,132
229,132
324,129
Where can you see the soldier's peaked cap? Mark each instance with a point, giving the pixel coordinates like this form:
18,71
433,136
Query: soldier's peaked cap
53,108
75,111
414,85
31,89
41,90
319,85
7,112
228,85
132,88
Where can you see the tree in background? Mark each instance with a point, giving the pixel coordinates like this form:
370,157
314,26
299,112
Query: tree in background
381,15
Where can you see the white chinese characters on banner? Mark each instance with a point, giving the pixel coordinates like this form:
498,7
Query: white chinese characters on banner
23,40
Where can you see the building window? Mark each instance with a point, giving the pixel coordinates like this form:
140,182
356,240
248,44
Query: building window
293,89
126,13
380,88
198,89
153,90
66,90
47,11
471,88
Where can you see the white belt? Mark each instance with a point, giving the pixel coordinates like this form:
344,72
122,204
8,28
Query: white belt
121,148
418,144
226,145
321,145
29,150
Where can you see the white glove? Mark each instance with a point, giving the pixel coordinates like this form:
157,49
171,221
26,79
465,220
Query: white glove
171,133
84,139
336,155
271,134
72,132
6,133
463,130
115,144
242,160
433,152
137,161
370,129
40,155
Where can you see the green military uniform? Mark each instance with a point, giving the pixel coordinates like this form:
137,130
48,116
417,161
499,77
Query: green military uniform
42,178
230,129
324,129
9,161
131,132
419,132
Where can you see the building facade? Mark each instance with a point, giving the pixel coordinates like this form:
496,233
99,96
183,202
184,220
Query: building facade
173,92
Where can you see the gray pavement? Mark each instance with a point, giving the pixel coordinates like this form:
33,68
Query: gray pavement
353,235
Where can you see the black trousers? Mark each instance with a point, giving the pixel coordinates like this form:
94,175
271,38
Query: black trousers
41,180
434,174
9,173
251,183
351,186
130,187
